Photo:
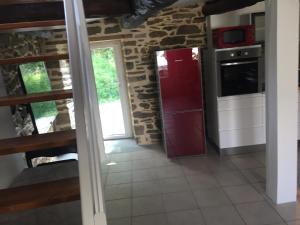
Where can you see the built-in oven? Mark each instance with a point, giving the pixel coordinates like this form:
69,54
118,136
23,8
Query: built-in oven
240,70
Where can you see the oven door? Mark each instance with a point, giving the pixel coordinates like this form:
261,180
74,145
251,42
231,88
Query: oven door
238,77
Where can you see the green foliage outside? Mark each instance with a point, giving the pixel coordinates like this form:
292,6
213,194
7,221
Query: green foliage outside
105,75
36,80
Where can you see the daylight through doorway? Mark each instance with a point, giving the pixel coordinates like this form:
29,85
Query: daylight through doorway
111,90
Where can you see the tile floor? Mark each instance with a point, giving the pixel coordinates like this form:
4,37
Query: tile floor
143,187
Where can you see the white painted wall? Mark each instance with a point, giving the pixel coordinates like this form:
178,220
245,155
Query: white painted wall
12,165
233,18
282,59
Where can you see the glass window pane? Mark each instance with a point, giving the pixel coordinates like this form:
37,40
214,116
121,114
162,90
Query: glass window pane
36,80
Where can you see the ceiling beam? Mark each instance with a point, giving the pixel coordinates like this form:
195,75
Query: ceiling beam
223,6
45,10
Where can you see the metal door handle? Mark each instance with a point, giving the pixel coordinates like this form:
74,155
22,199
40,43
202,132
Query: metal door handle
239,63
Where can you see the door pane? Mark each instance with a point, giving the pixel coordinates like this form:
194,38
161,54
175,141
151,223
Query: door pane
108,91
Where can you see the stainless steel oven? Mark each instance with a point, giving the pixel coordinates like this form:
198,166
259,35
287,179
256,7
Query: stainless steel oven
240,70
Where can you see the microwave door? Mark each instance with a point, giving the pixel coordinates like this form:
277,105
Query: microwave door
238,78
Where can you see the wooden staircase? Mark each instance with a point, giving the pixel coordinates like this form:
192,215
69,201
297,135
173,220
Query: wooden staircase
43,14
47,193
39,195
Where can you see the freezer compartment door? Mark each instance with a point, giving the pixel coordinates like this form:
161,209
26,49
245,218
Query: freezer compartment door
184,134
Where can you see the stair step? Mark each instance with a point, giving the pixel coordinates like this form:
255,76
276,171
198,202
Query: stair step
39,195
37,97
30,25
37,142
29,59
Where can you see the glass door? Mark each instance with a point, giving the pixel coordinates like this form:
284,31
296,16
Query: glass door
111,90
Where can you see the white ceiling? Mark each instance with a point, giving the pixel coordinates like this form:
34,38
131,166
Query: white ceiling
188,2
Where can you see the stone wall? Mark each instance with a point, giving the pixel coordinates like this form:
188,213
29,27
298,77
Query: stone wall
15,45
171,28
28,44
60,78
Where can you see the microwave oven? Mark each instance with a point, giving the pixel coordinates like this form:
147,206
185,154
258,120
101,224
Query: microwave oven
230,37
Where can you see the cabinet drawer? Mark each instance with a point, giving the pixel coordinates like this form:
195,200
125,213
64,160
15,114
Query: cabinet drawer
241,118
243,137
240,102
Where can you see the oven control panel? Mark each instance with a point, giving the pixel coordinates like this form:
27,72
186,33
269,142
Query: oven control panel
239,53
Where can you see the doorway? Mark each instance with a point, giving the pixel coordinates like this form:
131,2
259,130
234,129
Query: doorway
111,90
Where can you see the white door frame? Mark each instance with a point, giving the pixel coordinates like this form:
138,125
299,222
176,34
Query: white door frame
89,139
116,45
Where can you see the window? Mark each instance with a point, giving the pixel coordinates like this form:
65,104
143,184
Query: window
36,80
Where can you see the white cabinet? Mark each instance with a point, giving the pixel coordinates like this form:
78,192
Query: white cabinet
241,120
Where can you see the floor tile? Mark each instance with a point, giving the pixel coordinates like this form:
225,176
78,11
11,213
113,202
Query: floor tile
118,208
242,194
120,157
156,219
218,165
256,175
144,175
179,201
294,223
211,197
119,191
164,161
123,221
142,155
115,167
142,164
190,217
231,178
169,172
174,185
146,188
289,211
194,165
225,215
202,181
260,187
246,162
147,205
259,213
261,157
119,178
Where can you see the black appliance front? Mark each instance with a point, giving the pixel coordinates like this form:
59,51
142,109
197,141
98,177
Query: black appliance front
240,71
238,78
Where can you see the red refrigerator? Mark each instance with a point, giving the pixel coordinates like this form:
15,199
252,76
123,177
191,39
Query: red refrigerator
181,99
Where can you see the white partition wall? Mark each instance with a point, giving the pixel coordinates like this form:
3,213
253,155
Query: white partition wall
282,40
88,125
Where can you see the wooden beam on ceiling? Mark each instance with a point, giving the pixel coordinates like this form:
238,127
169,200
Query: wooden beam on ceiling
45,10
223,6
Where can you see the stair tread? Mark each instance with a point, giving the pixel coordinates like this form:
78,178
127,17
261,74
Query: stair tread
36,97
39,195
37,142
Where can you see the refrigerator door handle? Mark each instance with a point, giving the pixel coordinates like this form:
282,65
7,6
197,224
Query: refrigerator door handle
187,111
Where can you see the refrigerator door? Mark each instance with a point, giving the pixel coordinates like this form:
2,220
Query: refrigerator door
180,80
184,133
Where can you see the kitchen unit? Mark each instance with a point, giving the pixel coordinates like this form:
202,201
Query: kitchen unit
181,99
235,99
